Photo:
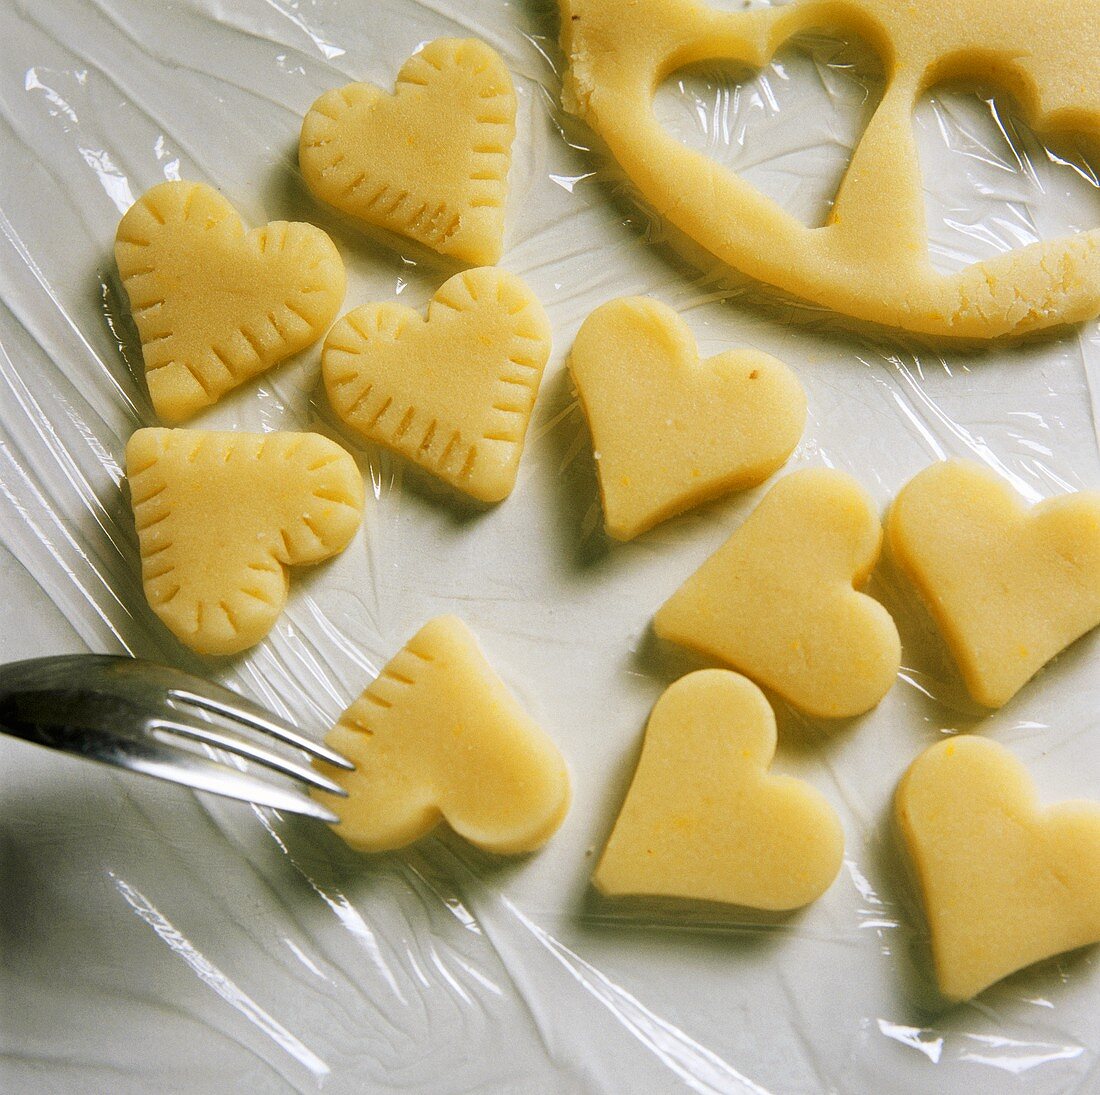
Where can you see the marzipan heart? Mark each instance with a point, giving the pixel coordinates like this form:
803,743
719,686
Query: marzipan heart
436,737
777,600
671,431
215,305
705,820
429,161
220,516
1009,587
1004,883
454,392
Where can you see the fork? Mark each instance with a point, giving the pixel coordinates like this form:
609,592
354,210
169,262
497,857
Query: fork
139,716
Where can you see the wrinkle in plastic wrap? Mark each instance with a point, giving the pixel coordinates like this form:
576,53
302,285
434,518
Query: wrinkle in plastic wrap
156,940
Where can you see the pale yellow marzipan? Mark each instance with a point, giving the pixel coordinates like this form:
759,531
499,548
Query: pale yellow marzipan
215,305
670,431
778,600
705,820
452,392
1004,883
437,737
871,259
429,161
1009,586
220,517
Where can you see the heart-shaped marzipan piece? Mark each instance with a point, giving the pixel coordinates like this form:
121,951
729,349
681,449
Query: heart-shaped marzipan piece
220,516
777,600
704,819
453,393
1004,883
429,161
671,431
1008,586
216,305
437,736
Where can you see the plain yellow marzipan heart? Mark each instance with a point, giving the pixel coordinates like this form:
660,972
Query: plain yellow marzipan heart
704,820
1008,586
1004,883
438,737
453,392
220,516
215,305
671,431
429,161
778,600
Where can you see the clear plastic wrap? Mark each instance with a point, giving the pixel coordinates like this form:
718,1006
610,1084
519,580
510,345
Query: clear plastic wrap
159,940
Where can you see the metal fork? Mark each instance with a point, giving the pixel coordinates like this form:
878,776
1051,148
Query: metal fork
133,714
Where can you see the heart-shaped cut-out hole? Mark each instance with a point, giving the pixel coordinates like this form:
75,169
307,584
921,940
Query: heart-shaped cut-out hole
220,516
429,161
978,154
777,602
670,430
1008,588
454,392
704,820
1004,884
870,260
215,305
438,736
788,128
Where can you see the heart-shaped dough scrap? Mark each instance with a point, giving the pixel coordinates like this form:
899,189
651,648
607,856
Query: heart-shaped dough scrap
1003,882
671,431
777,600
1008,587
437,736
220,516
429,161
704,819
453,393
216,305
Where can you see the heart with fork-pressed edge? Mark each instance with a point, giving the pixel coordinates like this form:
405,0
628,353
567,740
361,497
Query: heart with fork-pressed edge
437,736
452,392
704,819
1003,882
669,430
778,600
215,305
429,161
220,516
871,260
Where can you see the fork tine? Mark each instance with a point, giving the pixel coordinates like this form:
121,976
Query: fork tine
233,744
172,763
222,701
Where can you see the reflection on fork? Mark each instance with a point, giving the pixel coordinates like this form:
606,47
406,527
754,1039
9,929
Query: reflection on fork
156,720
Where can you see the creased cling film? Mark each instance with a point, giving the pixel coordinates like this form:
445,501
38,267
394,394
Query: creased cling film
512,975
